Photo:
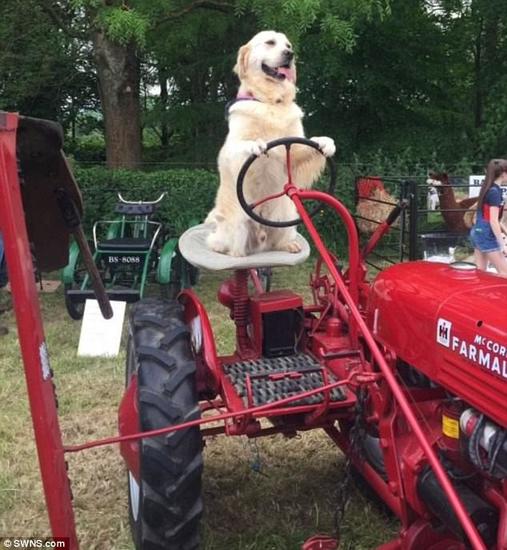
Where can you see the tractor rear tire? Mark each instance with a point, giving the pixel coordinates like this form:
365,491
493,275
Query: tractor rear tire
166,506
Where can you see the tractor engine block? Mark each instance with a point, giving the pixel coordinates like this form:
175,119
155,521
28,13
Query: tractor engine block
446,328
449,323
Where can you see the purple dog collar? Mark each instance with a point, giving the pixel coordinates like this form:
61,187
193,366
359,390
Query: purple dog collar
239,97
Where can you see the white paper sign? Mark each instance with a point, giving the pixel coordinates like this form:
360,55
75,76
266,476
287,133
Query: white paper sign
101,337
475,183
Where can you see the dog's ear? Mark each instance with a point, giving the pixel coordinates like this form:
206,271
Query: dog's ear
241,66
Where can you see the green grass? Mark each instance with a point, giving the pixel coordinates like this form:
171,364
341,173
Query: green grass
290,499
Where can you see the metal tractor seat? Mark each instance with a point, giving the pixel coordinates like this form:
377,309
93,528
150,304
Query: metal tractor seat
195,250
124,245
136,209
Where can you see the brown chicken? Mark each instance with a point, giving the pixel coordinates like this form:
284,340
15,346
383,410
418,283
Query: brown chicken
374,204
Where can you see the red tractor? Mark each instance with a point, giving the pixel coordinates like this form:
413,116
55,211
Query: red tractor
407,374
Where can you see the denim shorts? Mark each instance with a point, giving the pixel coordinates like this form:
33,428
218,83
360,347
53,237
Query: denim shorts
483,238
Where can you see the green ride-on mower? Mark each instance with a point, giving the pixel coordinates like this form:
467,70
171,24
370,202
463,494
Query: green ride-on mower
129,251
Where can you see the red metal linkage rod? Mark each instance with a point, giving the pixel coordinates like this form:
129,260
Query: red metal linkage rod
352,236
252,411
254,276
298,196
375,238
31,338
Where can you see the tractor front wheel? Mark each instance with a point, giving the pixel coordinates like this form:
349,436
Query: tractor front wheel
166,503
75,310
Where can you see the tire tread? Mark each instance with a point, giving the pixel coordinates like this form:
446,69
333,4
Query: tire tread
171,465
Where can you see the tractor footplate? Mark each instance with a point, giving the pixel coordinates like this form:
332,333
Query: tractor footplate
271,379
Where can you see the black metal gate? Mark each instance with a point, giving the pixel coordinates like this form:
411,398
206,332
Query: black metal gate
424,231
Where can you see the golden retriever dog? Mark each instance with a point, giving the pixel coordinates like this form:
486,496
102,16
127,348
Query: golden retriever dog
263,110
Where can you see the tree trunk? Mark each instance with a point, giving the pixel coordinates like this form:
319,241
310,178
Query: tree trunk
164,95
118,74
478,82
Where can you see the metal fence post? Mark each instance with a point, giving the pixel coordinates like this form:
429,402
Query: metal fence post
413,221
403,218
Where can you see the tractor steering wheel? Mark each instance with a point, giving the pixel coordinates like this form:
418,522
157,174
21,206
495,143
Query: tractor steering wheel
287,142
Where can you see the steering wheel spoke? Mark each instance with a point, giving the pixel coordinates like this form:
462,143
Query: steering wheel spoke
266,199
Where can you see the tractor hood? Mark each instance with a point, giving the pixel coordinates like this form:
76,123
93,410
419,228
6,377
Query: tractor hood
449,323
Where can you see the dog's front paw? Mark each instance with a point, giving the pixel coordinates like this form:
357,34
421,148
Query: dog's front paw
217,243
256,147
292,246
326,145
237,252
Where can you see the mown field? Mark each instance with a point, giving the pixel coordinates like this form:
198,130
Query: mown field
292,496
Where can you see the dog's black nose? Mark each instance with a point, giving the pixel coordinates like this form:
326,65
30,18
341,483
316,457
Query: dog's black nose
288,55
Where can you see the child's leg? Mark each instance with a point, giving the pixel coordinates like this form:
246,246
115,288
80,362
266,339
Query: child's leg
499,262
480,259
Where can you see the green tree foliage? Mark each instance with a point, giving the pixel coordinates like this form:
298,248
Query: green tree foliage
393,90
43,72
422,77
197,57
476,33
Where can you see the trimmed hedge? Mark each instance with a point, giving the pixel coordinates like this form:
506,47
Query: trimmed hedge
189,193
190,196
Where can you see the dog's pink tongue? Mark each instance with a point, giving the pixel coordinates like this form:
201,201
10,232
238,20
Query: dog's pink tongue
290,74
